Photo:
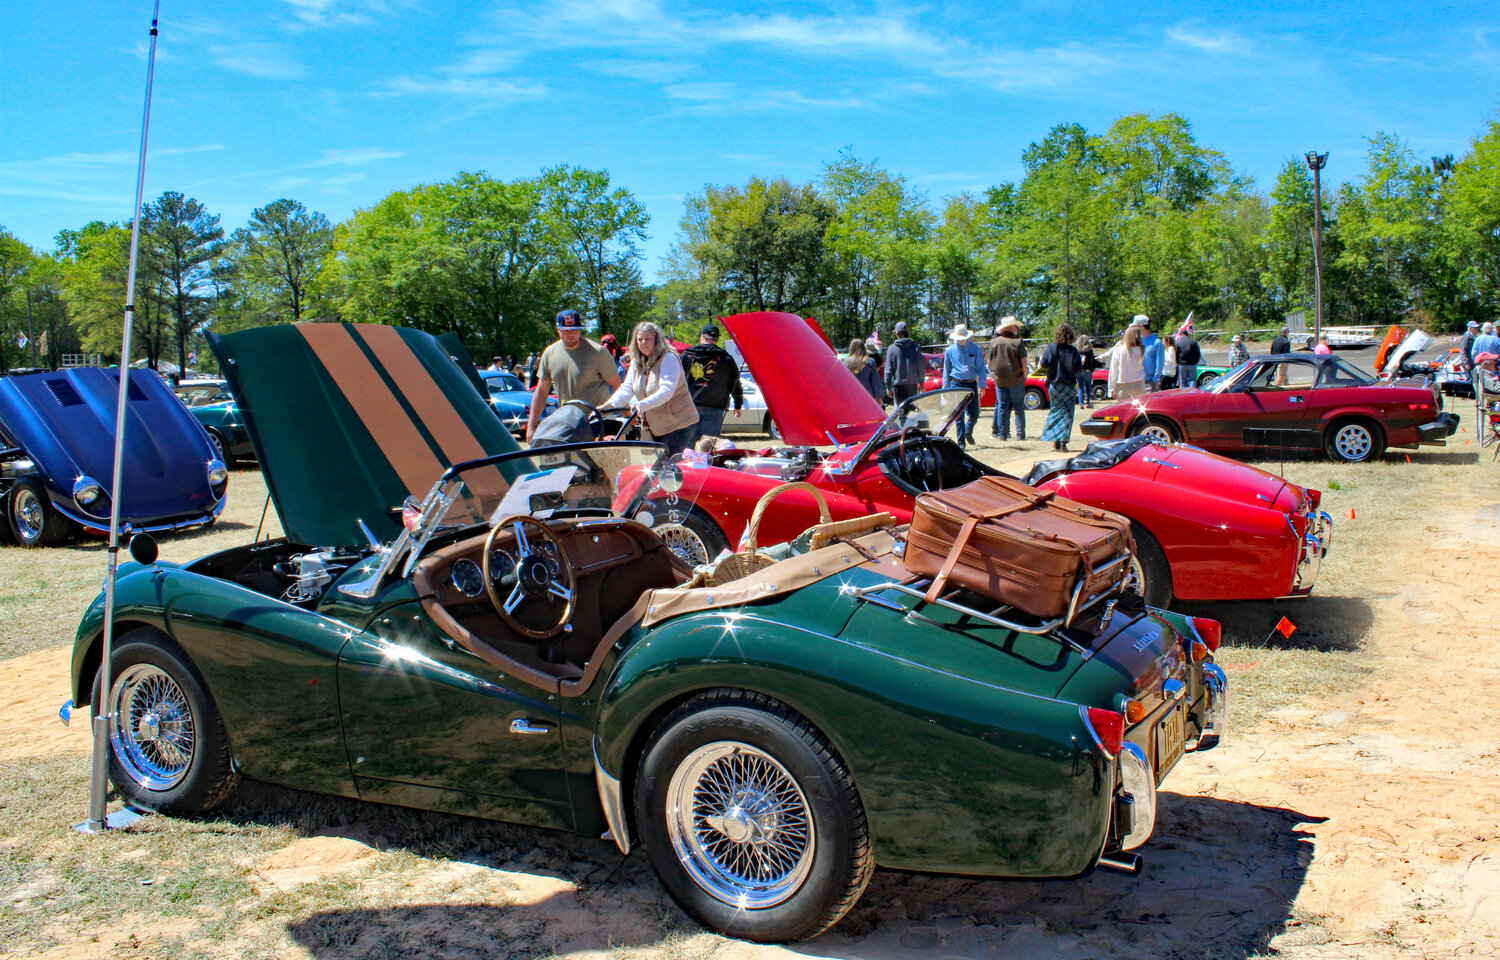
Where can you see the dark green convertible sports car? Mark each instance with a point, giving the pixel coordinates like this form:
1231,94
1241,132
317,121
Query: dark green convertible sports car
455,624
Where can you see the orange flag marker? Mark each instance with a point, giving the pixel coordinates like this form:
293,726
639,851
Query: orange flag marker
1351,513
1408,458
1284,627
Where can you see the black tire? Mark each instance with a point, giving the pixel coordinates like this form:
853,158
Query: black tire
772,428
1353,440
771,745
1153,573
696,537
1101,391
1034,400
29,514
1156,427
1204,379
221,447
151,676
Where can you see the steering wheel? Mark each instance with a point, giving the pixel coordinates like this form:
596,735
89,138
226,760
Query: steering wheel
534,577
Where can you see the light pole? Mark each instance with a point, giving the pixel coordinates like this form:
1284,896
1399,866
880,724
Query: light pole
1315,162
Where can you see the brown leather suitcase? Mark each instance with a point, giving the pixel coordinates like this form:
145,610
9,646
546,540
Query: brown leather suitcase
1009,541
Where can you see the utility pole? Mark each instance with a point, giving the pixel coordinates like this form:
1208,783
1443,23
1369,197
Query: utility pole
1315,162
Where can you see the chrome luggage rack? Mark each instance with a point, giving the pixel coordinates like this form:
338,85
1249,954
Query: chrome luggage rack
998,615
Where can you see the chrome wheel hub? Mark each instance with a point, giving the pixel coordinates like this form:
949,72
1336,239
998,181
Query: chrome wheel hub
1353,442
685,543
1157,433
740,825
151,727
27,510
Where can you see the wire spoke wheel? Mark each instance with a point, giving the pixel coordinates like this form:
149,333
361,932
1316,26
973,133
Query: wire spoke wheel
151,727
683,542
740,825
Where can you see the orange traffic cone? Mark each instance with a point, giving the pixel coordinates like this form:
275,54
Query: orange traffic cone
1351,513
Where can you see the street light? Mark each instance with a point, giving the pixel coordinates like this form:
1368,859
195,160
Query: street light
1315,162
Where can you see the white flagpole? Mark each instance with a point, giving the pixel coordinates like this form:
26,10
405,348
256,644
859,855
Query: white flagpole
100,782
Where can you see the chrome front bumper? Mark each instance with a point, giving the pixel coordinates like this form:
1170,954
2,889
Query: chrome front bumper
1315,544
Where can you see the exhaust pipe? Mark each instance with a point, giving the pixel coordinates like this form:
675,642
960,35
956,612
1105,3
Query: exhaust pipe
1126,863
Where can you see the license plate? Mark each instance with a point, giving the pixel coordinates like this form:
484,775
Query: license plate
1171,739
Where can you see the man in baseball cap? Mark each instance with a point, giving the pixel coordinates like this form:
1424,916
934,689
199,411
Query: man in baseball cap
579,368
1155,351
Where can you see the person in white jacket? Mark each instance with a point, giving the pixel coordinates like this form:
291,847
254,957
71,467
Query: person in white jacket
1127,366
656,387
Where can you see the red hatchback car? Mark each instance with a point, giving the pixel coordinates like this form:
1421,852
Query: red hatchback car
1206,528
1288,402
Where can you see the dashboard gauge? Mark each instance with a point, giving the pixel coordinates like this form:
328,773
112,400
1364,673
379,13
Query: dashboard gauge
554,560
468,578
502,565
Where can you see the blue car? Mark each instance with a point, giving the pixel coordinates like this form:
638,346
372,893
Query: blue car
511,401
58,432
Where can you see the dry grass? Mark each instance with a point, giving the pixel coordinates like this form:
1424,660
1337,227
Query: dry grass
439,885
46,589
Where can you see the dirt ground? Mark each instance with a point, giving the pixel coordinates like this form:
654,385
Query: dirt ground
1361,822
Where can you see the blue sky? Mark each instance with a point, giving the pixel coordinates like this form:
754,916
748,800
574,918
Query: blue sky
338,102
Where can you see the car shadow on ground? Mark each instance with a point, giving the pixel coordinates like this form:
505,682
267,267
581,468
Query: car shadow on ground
1322,623
1219,879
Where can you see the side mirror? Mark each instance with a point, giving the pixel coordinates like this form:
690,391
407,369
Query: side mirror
143,549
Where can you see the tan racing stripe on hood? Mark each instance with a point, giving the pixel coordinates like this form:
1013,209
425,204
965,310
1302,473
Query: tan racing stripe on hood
378,408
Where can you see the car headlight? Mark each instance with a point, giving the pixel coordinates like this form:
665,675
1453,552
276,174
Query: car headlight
88,493
218,477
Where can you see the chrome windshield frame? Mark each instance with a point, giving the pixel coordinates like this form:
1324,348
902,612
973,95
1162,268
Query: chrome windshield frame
880,436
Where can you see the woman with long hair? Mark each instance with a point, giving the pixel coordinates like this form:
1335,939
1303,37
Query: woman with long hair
1061,361
1127,366
656,387
865,369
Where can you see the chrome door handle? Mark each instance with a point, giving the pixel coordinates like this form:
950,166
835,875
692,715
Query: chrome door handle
522,725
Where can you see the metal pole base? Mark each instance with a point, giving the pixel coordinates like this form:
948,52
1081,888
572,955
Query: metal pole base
121,819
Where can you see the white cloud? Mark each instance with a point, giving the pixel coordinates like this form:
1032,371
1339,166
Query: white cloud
1209,41
337,13
494,89
94,178
842,36
269,61
355,157
700,92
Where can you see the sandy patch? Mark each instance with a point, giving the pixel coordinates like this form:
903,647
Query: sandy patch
32,688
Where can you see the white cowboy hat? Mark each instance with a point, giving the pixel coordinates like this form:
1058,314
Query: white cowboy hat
960,332
1007,323
1141,320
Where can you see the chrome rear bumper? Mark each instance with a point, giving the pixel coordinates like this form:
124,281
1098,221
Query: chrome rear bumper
1315,544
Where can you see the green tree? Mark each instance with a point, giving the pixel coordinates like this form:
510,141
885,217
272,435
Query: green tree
759,247
875,248
600,231
1385,230
271,264
1470,232
181,240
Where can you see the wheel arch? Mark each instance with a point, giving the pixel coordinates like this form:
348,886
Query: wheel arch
1335,414
1147,416
86,659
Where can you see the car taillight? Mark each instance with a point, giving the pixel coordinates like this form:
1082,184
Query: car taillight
1108,728
1200,651
1419,406
1211,632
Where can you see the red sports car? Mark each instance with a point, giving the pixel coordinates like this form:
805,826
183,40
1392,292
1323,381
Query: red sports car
1288,402
1206,528
1037,395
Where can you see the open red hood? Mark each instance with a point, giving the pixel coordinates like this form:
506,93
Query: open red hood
811,394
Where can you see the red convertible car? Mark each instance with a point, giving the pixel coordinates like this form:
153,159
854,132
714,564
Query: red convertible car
1206,528
1288,402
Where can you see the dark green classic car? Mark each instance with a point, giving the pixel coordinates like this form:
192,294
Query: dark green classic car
455,624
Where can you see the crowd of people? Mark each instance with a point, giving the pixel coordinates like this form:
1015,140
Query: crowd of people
681,399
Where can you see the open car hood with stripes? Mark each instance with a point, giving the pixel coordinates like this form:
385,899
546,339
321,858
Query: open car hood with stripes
349,420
